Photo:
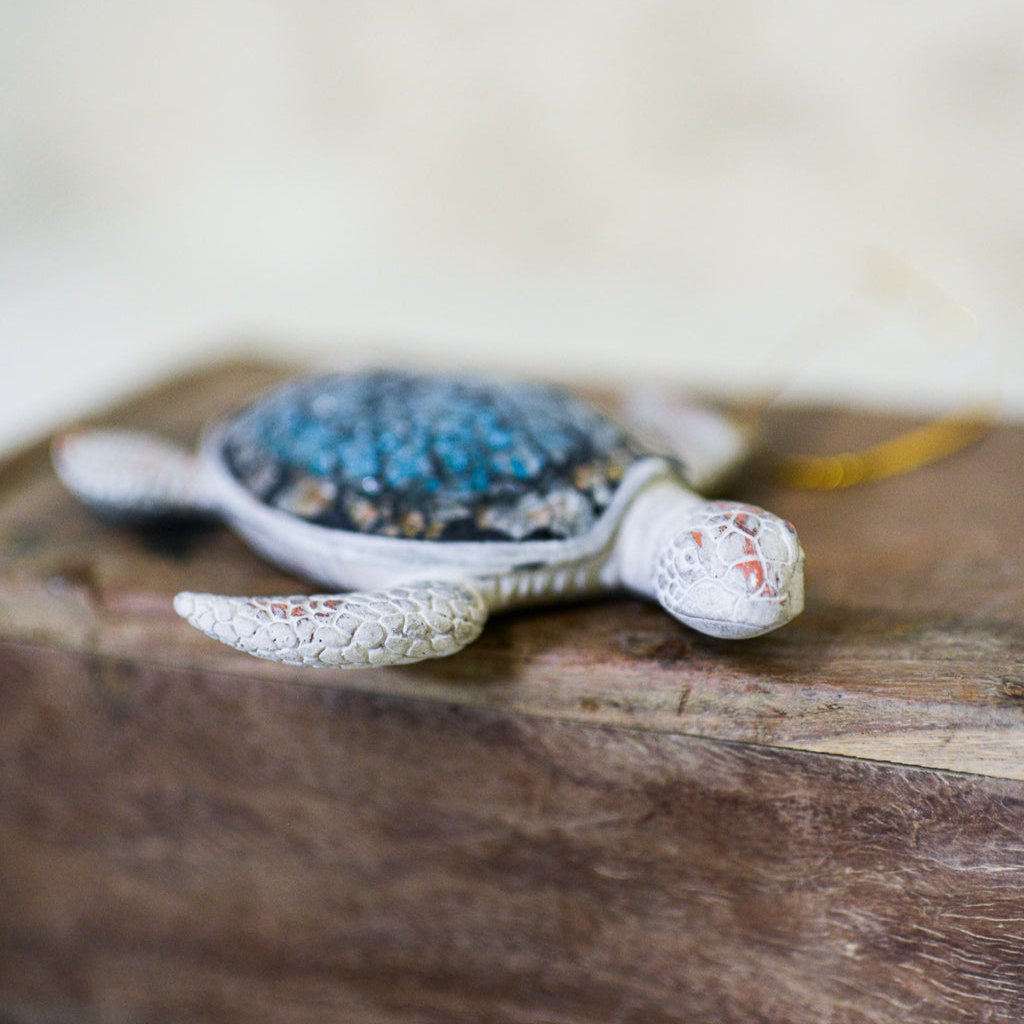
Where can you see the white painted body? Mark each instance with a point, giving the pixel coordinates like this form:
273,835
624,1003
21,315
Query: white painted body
727,569
511,574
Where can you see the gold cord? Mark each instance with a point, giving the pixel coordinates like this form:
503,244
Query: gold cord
897,455
892,282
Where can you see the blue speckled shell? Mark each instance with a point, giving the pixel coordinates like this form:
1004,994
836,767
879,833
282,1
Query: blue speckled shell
433,458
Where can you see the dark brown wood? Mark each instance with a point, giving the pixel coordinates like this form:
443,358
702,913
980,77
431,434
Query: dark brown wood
196,845
556,825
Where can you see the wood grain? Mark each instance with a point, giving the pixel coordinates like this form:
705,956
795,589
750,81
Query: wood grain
194,845
555,825
909,651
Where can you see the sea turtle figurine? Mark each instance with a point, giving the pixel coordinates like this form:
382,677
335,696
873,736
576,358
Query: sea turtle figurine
425,503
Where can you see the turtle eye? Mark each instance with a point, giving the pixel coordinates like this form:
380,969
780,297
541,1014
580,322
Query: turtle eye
688,558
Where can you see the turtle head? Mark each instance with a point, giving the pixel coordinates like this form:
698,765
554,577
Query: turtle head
732,570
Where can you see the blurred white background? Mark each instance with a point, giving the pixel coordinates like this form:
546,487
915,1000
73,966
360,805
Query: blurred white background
712,193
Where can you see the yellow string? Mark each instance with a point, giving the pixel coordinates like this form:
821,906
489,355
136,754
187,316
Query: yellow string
896,282
897,455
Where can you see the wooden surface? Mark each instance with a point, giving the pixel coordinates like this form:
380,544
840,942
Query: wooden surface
909,651
183,845
590,819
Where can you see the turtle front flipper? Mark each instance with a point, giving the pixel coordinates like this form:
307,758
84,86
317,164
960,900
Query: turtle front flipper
397,626
129,475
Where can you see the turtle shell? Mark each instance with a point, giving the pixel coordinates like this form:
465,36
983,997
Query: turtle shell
431,458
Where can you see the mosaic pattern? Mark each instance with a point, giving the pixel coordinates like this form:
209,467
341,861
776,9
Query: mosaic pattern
445,459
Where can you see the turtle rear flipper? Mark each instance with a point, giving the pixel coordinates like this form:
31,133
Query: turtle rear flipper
129,475
709,444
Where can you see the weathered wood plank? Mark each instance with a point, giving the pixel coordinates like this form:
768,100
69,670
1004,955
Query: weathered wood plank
188,834
909,651
200,845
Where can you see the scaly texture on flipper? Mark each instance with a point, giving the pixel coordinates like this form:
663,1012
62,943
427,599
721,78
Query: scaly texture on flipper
127,474
397,626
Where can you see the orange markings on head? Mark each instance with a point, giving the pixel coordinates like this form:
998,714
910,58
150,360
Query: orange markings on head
743,522
698,538
753,572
